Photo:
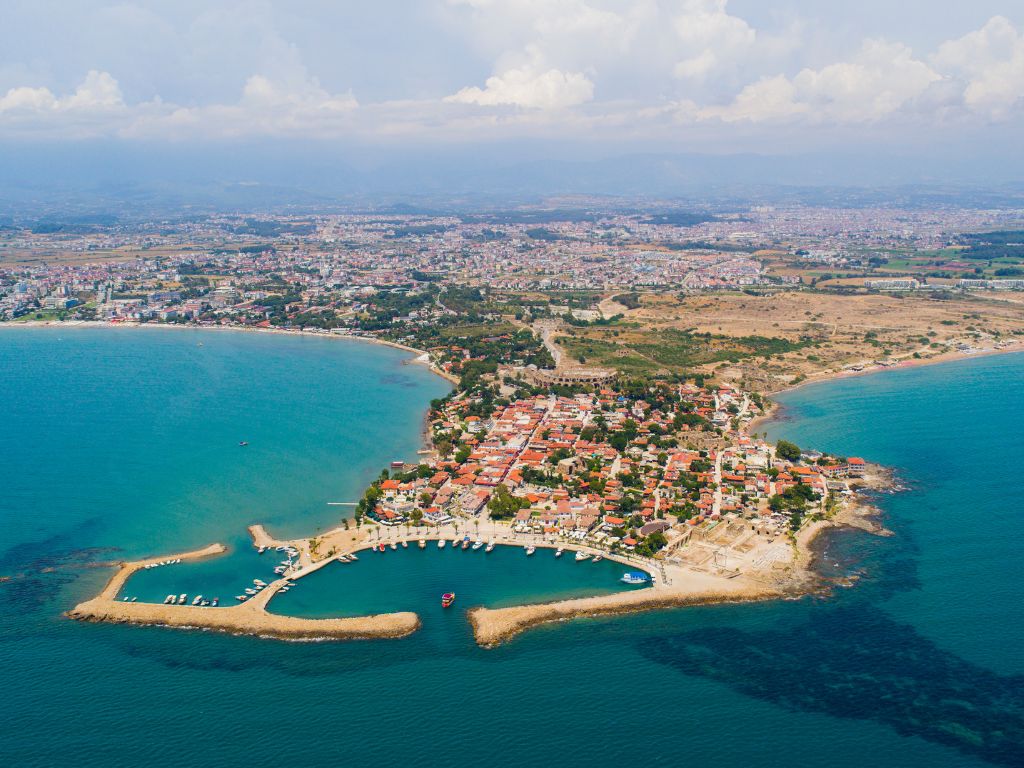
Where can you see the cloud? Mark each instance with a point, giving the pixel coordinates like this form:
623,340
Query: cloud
710,37
879,81
990,65
530,88
98,91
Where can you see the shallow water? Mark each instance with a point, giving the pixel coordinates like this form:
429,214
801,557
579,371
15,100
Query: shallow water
120,443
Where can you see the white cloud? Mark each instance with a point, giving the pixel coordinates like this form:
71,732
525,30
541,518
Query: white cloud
97,92
529,87
879,81
710,37
990,64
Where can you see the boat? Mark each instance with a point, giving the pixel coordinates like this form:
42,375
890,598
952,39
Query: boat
558,552
423,543
477,544
243,443
441,543
598,558
250,591
124,599
455,542
280,569
581,556
352,557
405,544
182,598
490,547
241,598
261,550
259,583
530,550
216,602
393,545
465,543
635,577
169,600
447,599
380,547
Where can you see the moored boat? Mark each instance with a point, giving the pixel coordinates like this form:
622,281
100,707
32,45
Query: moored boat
490,547
423,543
581,556
477,544
447,599
441,543
598,558
405,544
197,600
182,598
558,552
394,546
635,577
530,550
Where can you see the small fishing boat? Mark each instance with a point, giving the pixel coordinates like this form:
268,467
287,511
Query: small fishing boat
490,547
169,600
394,546
455,542
259,582
423,543
581,556
598,558
635,577
352,557
241,598
250,591
182,598
558,552
243,443
447,599
465,543
477,544
441,543
216,602
261,550
405,544
380,547
124,599
530,550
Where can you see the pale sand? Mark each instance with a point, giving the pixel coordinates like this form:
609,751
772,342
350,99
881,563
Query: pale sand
248,618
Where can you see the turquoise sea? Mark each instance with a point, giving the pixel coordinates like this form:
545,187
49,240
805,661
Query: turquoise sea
122,442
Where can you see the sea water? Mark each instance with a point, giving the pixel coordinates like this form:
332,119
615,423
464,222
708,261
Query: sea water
116,444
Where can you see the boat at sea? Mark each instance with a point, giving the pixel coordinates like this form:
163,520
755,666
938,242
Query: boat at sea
423,543
598,558
477,544
241,598
441,543
447,599
182,598
530,549
380,547
581,556
558,552
197,600
405,544
465,543
169,600
215,603
259,582
635,577
352,557
250,591
394,546
490,547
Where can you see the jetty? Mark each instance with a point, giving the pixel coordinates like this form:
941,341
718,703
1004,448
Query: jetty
248,618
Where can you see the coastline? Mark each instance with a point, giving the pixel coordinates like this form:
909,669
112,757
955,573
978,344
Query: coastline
422,356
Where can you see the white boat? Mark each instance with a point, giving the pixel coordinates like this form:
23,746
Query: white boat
558,552
197,600
455,542
261,550
169,600
423,543
490,547
441,543
581,556
182,598
405,544
477,544
352,557
216,602
530,550
635,577
124,599
241,598
259,583
598,558
250,591
393,545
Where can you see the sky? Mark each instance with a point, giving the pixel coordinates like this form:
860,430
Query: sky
936,78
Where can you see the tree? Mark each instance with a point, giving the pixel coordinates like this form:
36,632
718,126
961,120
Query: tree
787,450
503,504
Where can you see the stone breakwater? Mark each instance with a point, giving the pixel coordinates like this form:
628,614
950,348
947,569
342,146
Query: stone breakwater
249,618
491,627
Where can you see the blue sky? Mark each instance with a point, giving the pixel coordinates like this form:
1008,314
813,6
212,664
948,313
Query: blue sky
710,76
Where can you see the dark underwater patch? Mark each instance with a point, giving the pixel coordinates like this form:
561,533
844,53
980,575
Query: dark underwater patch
857,663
